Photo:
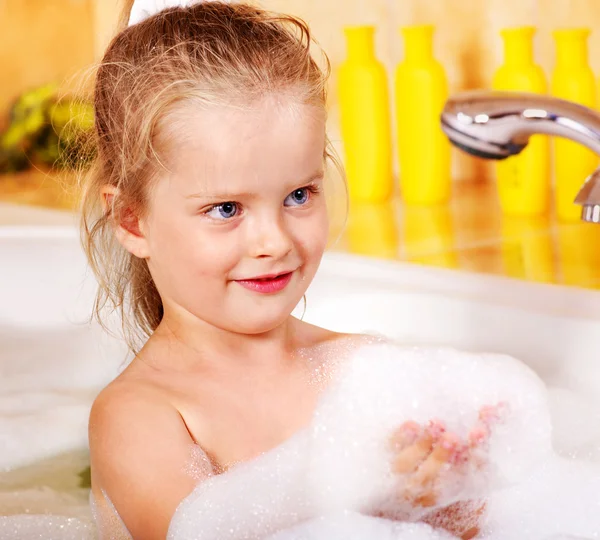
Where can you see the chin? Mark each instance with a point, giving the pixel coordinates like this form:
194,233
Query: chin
262,323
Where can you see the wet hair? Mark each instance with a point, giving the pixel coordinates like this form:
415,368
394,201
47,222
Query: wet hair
208,53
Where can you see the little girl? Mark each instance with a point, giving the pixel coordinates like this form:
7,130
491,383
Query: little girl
205,221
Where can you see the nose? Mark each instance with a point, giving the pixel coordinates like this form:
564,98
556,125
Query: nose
268,236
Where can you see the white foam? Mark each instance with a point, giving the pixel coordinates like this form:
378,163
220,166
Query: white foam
575,424
560,498
386,385
252,500
325,481
346,525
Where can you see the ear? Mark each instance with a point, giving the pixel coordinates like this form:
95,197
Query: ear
128,228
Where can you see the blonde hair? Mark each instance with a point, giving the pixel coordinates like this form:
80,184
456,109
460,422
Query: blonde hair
208,53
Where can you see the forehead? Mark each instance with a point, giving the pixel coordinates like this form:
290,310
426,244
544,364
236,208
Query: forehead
241,148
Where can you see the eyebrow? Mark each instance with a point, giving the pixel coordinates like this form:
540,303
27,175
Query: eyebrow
229,195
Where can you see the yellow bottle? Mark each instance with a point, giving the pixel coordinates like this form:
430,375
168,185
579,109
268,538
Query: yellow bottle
365,122
421,91
572,79
523,180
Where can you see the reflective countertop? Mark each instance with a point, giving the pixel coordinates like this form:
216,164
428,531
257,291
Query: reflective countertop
471,234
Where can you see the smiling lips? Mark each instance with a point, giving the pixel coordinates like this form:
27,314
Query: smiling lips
267,284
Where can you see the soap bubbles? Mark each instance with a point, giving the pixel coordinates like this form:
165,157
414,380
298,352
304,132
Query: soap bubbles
330,480
346,525
333,480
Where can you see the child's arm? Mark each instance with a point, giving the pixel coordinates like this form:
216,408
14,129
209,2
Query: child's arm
139,449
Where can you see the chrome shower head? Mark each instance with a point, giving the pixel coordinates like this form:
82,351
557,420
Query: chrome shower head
497,125
472,123
589,197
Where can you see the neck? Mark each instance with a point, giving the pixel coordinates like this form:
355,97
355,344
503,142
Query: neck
192,344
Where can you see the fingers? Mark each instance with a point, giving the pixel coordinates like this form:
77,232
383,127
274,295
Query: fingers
488,416
443,453
479,436
428,453
409,459
493,414
425,499
421,487
405,435
413,444
427,461
426,458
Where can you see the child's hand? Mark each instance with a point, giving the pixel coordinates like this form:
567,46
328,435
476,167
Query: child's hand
427,454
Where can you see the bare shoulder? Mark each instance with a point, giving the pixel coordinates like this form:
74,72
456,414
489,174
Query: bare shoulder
319,336
335,348
139,449
123,404
352,341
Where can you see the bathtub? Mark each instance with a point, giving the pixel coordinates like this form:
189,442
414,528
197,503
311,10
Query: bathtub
53,362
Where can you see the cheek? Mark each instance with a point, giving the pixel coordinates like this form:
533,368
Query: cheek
206,256
182,251
211,257
323,227
315,236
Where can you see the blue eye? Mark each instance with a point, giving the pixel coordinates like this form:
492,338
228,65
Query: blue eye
297,197
225,210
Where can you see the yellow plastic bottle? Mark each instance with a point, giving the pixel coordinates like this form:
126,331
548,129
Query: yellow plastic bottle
524,180
572,79
364,117
421,91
